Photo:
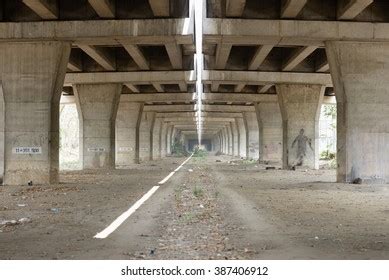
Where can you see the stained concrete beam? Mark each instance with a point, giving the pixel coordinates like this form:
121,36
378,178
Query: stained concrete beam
222,55
161,8
137,55
75,66
323,67
239,87
235,8
183,86
265,88
261,78
174,52
104,8
157,97
297,57
290,32
168,108
132,87
158,87
215,86
259,57
165,77
102,57
239,97
227,108
43,8
349,9
101,32
291,8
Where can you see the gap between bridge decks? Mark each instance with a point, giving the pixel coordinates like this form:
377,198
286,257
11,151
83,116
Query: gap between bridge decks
123,217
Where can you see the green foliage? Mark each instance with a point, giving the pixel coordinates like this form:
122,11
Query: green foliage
198,192
327,155
178,149
199,153
330,111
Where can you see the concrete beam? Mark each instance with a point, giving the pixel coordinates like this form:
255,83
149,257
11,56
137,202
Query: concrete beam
235,8
169,108
264,88
75,66
349,9
215,87
227,108
161,8
291,8
100,56
104,8
261,78
183,86
158,87
157,97
165,77
260,55
239,97
43,8
290,32
132,87
323,67
297,57
137,56
222,54
239,87
175,55
101,32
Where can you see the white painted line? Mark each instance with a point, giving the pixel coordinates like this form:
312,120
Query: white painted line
120,220
166,178
123,217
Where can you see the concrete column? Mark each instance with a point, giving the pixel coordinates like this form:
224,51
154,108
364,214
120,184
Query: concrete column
31,78
230,140
300,110
163,138
360,76
169,140
156,139
252,134
2,129
242,137
97,107
225,141
127,118
145,136
235,138
271,122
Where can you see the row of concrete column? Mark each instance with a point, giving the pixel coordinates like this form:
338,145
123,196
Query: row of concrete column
32,76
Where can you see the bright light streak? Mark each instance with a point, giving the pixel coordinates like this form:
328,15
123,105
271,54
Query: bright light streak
199,63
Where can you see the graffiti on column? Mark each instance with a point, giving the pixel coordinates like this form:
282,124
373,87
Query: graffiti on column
302,140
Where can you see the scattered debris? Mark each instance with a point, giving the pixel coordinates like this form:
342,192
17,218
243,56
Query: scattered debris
357,181
55,210
30,183
190,170
270,168
218,160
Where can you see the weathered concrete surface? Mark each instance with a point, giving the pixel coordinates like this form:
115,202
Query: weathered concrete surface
97,107
235,138
126,132
145,135
252,133
230,140
2,129
242,137
360,74
163,140
300,110
271,122
156,139
32,76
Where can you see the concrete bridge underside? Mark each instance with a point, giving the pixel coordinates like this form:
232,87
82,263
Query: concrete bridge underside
131,71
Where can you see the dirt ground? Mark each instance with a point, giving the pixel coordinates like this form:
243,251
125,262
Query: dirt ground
213,208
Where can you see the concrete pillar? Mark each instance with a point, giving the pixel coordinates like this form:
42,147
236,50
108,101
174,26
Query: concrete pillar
230,140
2,129
163,137
145,136
242,137
300,110
360,76
252,134
127,119
235,138
156,139
270,119
225,141
31,78
97,107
